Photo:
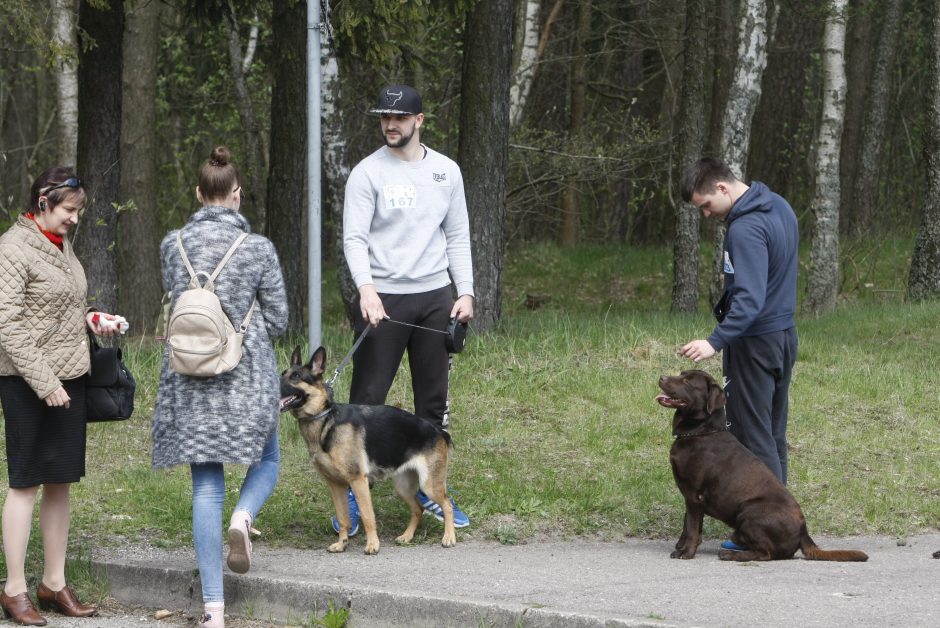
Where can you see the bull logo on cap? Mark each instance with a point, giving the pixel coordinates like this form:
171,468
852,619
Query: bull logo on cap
388,98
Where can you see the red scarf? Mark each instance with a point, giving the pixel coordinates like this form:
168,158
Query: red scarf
55,239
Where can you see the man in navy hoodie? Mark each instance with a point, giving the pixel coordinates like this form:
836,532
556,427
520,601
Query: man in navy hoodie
756,331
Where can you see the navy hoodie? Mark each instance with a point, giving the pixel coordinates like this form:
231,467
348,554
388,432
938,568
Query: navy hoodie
760,262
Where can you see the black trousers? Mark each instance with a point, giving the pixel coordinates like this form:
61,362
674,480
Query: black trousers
379,356
757,372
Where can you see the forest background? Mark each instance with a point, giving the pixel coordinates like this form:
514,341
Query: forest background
571,121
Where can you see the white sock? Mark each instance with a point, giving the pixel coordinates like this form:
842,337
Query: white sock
239,520
215,613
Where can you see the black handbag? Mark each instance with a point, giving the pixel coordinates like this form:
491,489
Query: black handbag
109,395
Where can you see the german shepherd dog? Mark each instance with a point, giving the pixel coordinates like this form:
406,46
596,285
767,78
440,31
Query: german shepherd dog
352,445
719,477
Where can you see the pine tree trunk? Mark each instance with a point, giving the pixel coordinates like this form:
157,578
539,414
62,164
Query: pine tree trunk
865,195
484,113
139,233
924,280
288,171
858,61
99,147
255,193
823,284
743,96
64,15
690,138
528,58
571,201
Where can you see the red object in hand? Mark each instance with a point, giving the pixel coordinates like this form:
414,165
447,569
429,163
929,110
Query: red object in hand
94,318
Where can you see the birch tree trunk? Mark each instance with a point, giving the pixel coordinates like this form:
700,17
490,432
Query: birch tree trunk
823,283
288,173
65,16
690,139
335,168
138,243
254,157
924,280
571,201
528,58
865,195
743,96
485,113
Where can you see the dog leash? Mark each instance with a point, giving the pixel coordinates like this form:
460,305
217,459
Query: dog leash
362,336
342,365
392,320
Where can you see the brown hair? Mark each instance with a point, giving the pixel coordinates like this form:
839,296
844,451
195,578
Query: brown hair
702,176
51,178
218,176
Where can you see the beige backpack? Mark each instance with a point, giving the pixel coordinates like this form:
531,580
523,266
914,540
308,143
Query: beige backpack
202,340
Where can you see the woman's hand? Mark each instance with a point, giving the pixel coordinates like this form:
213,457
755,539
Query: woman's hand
103,324
58,398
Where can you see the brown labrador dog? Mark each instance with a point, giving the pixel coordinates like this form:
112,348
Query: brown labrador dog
720,478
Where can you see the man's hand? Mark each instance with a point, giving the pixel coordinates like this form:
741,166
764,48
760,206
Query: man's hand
463,309
58,398
698,350
371,305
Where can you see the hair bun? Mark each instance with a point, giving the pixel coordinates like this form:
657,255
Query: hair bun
221,156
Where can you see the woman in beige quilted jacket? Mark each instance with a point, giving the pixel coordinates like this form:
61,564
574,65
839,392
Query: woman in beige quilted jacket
43,362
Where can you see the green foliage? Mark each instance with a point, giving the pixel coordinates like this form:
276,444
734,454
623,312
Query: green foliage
196,108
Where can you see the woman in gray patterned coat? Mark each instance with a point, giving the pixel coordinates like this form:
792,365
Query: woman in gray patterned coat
232,417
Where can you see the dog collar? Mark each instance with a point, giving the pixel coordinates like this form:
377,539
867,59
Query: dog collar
691,434
315,417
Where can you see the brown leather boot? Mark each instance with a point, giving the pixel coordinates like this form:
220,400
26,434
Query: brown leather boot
63,601
20,609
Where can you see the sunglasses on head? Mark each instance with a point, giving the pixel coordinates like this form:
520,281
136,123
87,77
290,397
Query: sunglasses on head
71,182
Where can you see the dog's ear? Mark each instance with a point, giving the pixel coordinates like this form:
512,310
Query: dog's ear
716,397
317,361
296,358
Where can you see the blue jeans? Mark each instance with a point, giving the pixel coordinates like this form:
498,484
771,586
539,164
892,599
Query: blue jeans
208,500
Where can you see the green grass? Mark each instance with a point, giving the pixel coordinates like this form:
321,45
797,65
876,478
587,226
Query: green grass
555,428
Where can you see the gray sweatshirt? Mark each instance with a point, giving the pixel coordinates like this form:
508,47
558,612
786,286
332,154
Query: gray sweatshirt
405,224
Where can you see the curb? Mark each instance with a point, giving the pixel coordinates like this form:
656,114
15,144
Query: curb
287,601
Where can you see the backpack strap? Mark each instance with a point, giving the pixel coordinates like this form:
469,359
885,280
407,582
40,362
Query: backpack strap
231,251
244,326
218,269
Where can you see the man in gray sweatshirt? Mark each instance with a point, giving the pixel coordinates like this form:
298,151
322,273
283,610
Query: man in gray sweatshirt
406,236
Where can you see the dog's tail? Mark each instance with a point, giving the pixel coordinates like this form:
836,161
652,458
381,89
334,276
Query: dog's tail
813,552
446,436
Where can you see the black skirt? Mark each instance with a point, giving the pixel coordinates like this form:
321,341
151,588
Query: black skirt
45,445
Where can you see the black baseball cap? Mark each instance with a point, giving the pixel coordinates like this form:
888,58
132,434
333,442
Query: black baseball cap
399,100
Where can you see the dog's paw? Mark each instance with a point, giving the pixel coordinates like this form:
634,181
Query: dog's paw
449,540
338,547
372,547
404,539
684,555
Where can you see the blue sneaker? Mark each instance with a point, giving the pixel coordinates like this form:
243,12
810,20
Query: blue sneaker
734,547
353,516
461,520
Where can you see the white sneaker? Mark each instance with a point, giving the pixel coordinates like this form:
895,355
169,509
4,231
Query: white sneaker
239,542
